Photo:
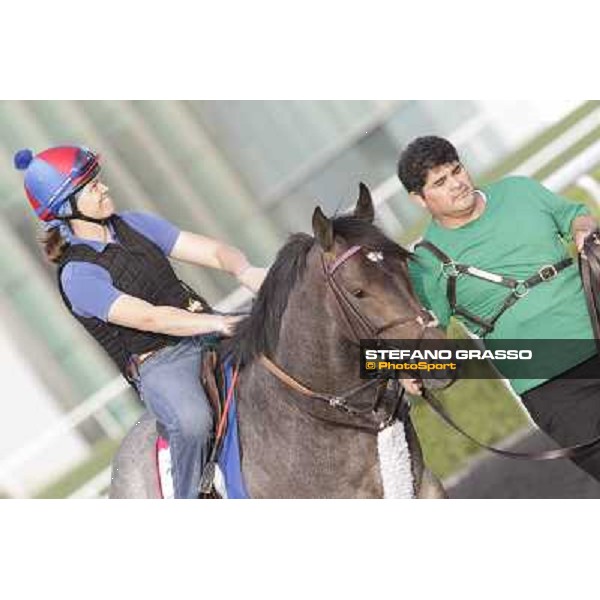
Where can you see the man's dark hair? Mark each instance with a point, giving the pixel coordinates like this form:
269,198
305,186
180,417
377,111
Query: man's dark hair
421,155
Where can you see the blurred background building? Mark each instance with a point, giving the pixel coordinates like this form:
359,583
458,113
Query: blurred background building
247,172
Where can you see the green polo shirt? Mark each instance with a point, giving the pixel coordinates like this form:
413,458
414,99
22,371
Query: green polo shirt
523,227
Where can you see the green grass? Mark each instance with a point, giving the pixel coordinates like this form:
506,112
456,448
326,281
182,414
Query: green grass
100,458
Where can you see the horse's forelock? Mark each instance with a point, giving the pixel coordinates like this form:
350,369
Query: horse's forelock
358,232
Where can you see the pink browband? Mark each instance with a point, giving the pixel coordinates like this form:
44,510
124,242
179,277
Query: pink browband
343,258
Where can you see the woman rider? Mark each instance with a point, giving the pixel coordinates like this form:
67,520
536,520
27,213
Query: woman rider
116,280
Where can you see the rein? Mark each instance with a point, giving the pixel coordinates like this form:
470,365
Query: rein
576,451
589,267
590,272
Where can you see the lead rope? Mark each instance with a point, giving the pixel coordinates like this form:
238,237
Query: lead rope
576,451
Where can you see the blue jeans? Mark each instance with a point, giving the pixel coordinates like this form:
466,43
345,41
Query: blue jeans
169,386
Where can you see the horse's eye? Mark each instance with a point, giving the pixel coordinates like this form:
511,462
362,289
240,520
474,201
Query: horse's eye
358,293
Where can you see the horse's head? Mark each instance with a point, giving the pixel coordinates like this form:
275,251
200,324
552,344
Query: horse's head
366,273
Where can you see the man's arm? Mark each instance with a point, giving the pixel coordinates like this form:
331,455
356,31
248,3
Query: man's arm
204,251
570,217
129,311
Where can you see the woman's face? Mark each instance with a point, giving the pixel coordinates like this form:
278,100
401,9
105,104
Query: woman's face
94,201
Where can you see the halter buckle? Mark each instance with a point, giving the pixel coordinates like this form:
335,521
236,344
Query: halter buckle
548,272
449,269
521,289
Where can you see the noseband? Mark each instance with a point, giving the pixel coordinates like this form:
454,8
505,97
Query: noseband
357,323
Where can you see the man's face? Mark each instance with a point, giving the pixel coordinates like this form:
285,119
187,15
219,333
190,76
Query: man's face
448,192
94,201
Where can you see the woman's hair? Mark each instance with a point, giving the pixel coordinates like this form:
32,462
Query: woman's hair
54,244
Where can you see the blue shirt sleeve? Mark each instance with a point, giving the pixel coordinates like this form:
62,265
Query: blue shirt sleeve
89,288
158,230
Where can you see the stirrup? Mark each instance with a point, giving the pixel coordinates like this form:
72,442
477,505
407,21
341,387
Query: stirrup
208,478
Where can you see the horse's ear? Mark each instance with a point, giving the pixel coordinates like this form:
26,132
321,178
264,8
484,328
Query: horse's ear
323,229
364,206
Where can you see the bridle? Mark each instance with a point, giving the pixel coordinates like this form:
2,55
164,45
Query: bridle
359,327
358,323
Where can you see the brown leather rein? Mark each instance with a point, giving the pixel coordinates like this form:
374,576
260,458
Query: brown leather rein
353,316
589,267
575,451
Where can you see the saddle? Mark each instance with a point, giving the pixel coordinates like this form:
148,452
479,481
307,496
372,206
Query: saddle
218,377
211,378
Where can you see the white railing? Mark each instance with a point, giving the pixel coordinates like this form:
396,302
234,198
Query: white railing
97,401
574,170
591,186
561,143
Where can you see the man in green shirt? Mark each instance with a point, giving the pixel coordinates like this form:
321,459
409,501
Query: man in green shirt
513,229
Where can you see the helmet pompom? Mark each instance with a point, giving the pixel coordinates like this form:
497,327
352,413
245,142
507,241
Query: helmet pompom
23,158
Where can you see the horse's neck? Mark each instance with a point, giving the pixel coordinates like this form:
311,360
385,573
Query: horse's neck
292,445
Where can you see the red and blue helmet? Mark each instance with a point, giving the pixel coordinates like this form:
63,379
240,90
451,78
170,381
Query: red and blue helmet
54,175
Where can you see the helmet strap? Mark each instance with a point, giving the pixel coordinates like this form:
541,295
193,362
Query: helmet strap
77,214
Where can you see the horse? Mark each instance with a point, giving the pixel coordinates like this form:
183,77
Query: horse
308,426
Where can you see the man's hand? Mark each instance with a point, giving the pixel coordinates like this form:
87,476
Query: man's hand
413,386
581,227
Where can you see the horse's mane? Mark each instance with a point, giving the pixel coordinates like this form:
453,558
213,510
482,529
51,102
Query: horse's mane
259,333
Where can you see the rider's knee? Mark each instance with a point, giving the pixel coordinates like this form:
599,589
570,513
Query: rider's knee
195,423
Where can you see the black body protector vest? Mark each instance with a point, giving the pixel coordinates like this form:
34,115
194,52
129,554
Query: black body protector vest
138,268
519,288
